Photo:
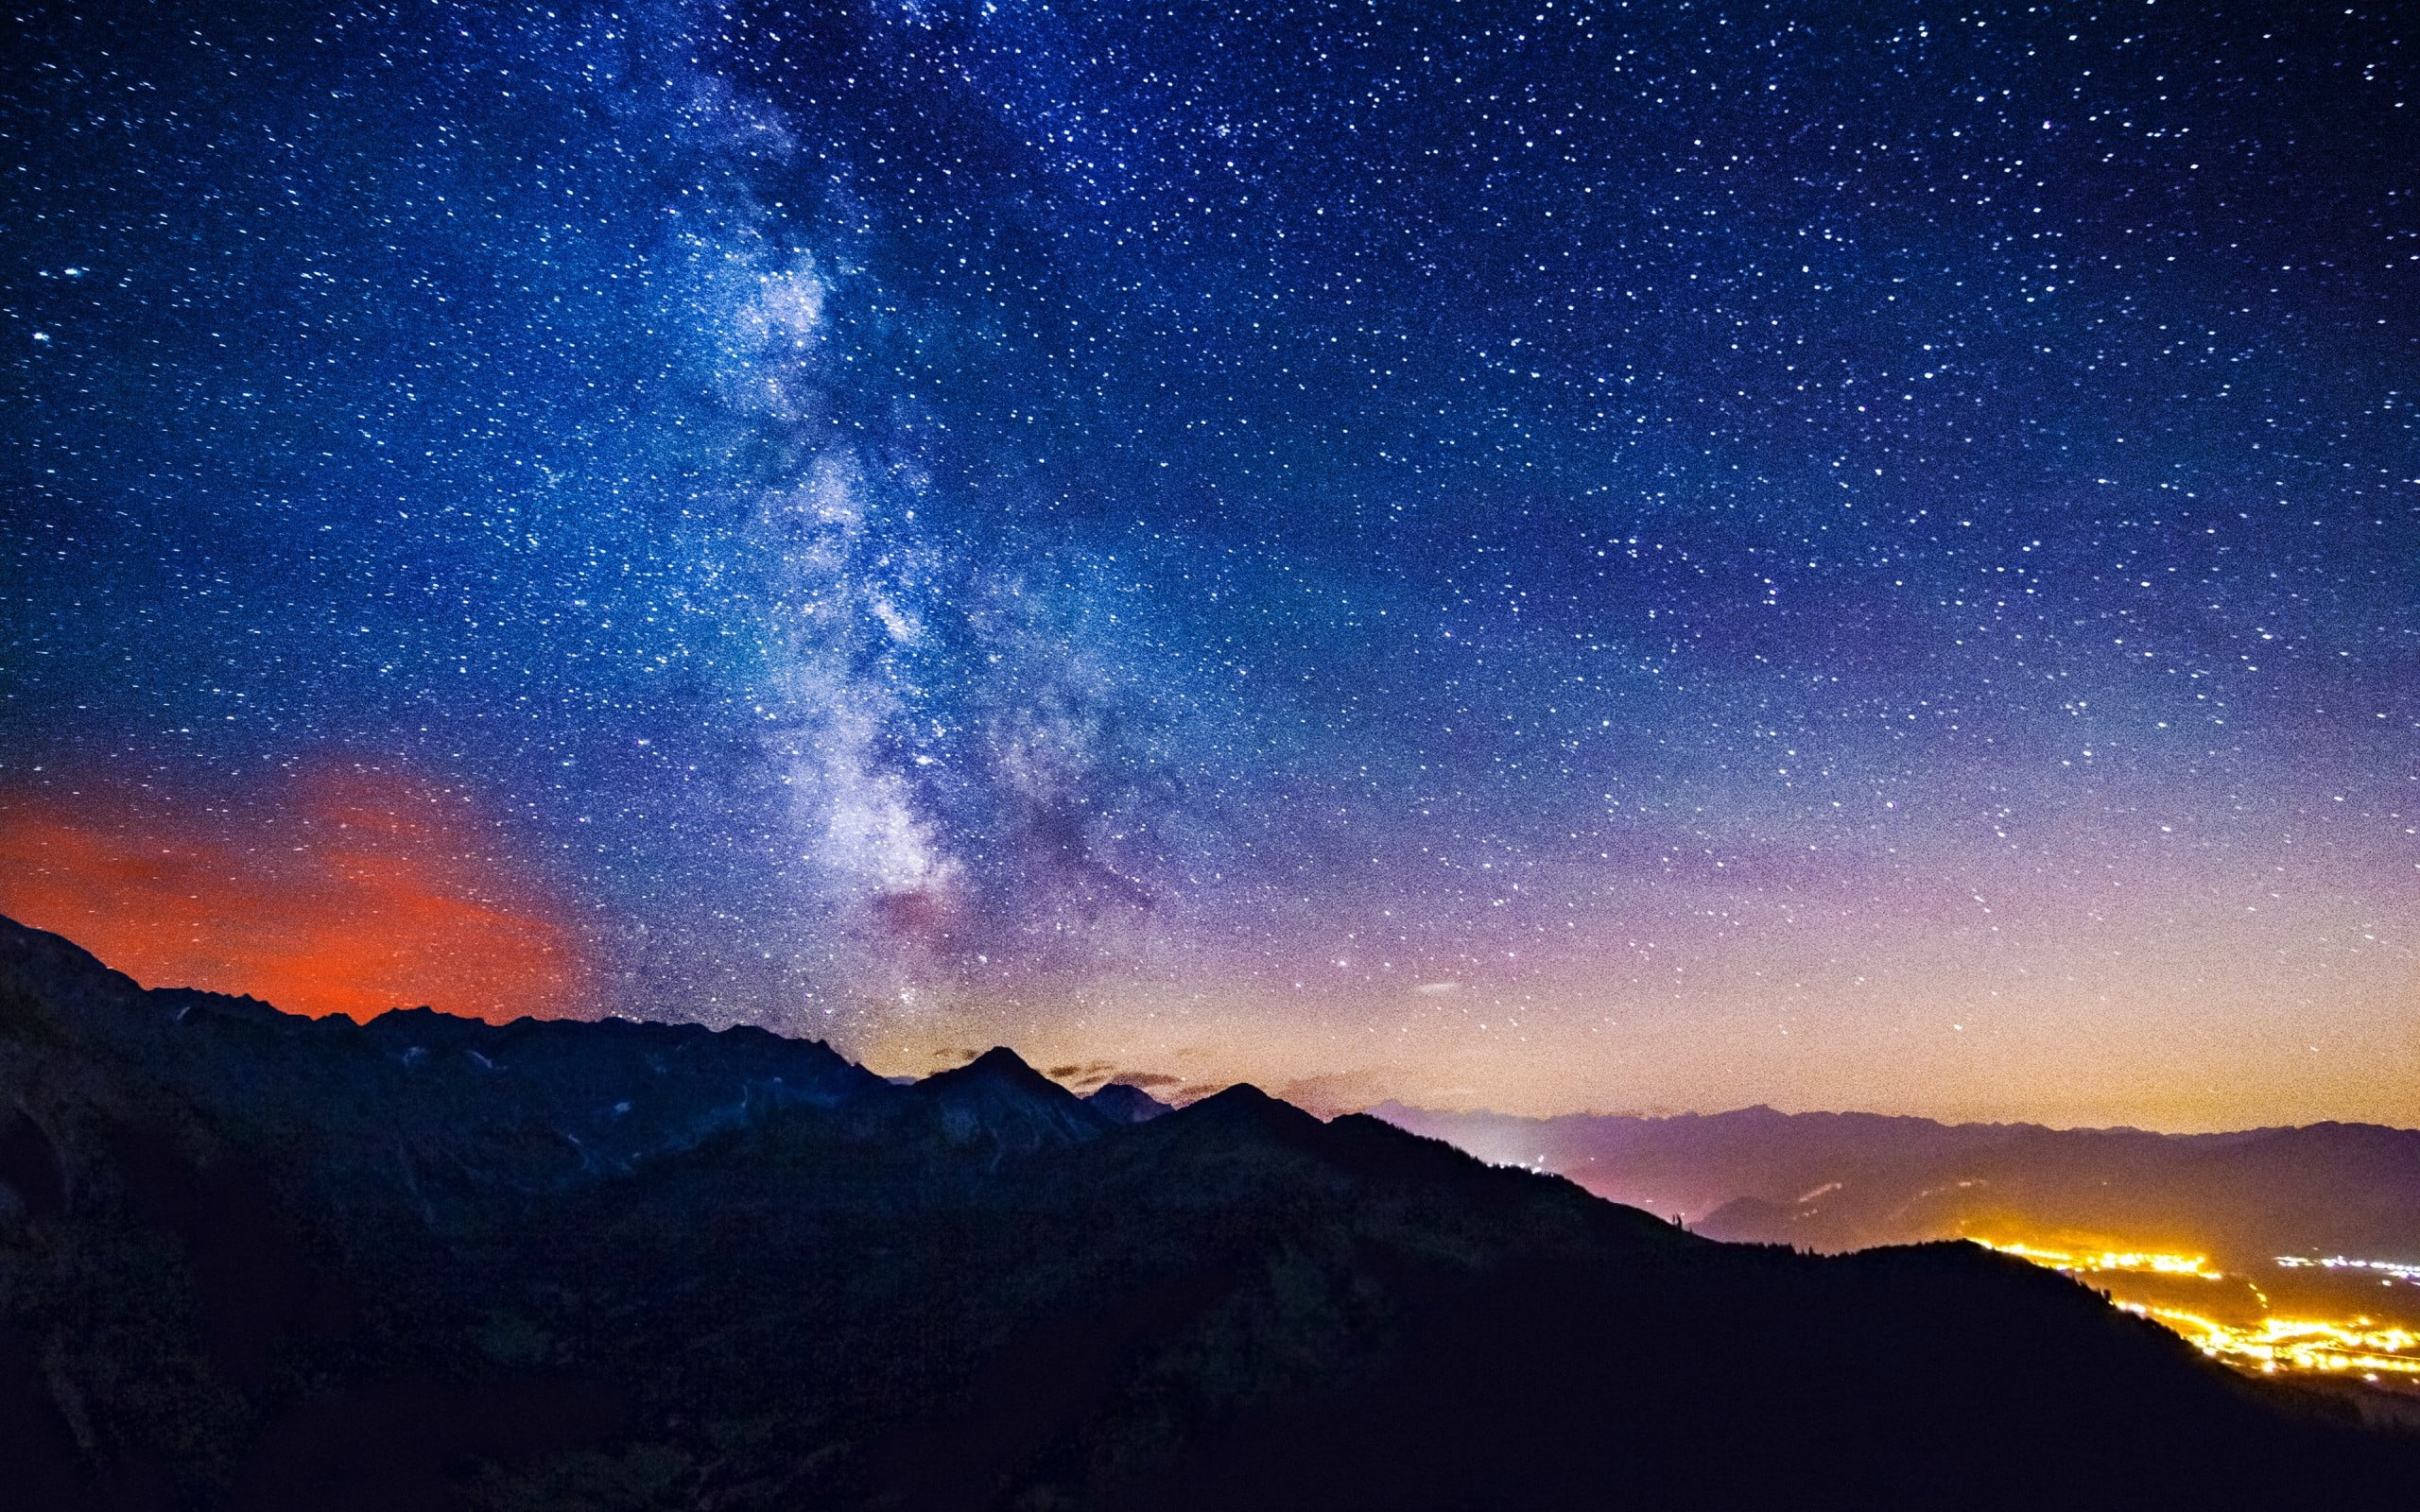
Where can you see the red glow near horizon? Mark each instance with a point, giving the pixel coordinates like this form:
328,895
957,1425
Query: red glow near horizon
342,892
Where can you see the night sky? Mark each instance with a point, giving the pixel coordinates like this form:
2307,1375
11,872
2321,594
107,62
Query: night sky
1653,556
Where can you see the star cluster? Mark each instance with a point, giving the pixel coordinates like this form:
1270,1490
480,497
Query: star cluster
1550,554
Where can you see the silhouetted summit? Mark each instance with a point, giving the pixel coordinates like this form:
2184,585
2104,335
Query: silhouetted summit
998,1101
1128,1104
254,1262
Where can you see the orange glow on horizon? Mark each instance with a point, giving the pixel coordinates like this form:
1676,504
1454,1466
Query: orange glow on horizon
345,892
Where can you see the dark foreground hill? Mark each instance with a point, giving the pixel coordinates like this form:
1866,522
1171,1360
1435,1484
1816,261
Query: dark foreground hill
257,1262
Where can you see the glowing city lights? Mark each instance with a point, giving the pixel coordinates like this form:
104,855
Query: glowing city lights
2138,1261
2295,1343
2389,1271
2359,1346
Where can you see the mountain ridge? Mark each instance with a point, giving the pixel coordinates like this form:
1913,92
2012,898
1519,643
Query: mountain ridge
254,1262
1841,1181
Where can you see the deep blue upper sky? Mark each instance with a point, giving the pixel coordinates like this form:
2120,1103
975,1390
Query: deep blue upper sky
1552,554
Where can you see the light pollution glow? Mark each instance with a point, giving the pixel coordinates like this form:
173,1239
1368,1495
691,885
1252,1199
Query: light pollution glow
2358,1345
2133,1262
2295,1343
344,891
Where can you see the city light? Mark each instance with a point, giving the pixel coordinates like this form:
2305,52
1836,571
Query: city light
2295,1343
2138,1261
2390,1271
2272,1345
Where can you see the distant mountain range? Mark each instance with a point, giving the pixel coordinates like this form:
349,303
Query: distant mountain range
1840,1182
251,1260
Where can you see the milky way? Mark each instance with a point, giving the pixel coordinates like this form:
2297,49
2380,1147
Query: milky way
1551,556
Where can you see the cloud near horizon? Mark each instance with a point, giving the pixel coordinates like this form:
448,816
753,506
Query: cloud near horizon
337,891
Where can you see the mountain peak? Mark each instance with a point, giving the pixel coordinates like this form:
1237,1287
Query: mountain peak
998,1059
1245,1106
997,1067
1128,1104
998,1097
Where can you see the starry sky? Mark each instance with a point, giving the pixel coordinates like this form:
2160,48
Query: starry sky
1549,556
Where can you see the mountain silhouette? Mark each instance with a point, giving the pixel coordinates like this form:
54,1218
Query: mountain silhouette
251,1261
999,1102
1841,1181
1128,1104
